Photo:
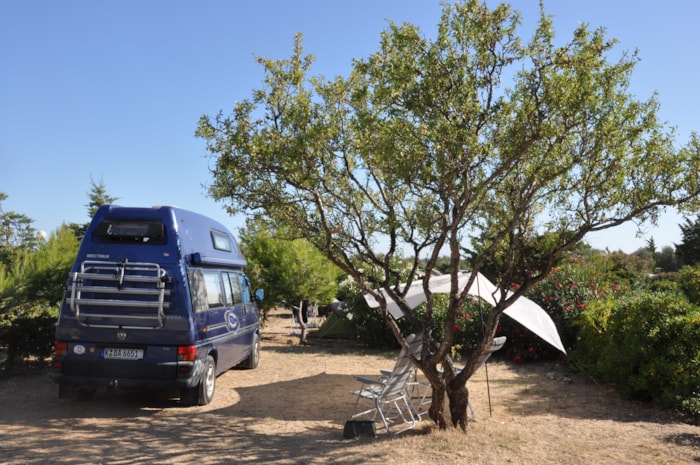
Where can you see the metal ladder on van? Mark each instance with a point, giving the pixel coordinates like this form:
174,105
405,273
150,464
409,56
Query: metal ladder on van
121,294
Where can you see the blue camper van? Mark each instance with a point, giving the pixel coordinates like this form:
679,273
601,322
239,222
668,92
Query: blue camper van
157,298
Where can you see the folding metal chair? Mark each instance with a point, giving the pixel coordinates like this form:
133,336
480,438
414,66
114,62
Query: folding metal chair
389,395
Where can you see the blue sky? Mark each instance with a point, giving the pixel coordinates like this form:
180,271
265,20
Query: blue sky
113,90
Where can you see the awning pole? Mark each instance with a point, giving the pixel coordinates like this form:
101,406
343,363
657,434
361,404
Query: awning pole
486,365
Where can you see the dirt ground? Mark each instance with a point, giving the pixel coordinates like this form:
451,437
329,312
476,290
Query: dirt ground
292,408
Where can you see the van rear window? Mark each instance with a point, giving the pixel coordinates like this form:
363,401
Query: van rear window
135,232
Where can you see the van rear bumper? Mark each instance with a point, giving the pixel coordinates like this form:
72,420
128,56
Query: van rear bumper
183,375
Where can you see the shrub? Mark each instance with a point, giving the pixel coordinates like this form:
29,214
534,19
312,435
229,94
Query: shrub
28,335
667,282
469,326
689,283
648,345
563,295
367,324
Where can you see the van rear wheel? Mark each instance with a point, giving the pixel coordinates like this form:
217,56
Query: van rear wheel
203,392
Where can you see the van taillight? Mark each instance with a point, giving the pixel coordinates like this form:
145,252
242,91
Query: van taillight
60,348
186,353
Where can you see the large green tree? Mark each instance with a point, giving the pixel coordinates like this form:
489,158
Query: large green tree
526,144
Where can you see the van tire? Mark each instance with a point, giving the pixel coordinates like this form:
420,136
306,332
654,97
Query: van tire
203,392
254,358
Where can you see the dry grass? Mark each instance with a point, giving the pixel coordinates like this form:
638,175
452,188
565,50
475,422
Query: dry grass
291,410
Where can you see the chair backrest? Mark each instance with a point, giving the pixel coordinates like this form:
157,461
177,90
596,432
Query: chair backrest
403,369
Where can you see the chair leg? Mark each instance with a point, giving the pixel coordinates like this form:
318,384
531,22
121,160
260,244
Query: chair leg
405,413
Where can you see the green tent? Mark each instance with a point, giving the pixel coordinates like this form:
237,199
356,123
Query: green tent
336,326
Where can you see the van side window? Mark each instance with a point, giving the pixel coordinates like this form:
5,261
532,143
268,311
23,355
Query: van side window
235,288
227,289
198,289
215,297
245,288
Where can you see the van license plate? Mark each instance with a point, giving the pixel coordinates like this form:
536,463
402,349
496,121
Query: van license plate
123,354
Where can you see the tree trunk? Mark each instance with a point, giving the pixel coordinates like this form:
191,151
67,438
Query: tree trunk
302,336
437,406
458,397
452,386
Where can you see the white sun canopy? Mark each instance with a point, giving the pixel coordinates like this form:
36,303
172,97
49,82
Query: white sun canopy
524,311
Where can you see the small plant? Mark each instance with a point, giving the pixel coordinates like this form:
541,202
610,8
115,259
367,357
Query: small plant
689,283
691,407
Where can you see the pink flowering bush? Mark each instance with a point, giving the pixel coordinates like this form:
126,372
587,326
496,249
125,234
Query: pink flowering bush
564,295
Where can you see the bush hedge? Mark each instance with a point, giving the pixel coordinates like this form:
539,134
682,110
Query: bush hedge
648,345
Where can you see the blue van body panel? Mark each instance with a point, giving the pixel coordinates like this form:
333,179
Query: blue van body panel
137,295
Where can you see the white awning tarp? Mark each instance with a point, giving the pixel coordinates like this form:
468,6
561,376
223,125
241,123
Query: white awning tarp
523,310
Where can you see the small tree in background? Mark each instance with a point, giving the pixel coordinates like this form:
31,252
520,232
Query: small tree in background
30,291
16,234
98,197
688,251
33,274
289,271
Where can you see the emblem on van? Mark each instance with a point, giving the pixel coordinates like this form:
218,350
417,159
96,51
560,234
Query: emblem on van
232,320
121,335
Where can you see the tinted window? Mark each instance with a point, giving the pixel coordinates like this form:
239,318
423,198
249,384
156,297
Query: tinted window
134,232
215,296
198,290
235,288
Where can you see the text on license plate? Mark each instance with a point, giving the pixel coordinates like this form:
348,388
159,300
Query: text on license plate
123,354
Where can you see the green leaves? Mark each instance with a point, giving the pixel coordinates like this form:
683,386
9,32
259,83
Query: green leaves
287,270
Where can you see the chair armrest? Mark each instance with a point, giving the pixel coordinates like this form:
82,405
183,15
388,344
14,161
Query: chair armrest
364,379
